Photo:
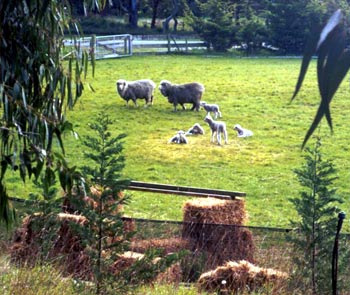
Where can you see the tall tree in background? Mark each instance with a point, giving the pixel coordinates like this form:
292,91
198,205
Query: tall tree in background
292,22
36,88
215,24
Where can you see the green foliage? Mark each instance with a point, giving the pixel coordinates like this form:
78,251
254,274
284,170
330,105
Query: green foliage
103,236
291,23
217,26
35,87
252,31
317,208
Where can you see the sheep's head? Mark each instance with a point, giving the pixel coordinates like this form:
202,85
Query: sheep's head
208,118
203,103
121,85
164,86
237,127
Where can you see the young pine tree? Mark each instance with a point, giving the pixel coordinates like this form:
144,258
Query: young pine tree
318,211
104,236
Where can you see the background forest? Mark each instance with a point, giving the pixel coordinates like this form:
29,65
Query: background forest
279,24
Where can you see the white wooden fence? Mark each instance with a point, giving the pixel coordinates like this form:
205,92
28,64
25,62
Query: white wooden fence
113,46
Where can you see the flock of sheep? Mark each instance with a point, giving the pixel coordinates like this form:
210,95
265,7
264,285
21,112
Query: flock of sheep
180,94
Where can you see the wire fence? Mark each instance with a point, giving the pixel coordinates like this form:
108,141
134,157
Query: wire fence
267,247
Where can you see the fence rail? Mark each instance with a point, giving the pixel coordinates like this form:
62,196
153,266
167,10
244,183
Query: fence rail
185,190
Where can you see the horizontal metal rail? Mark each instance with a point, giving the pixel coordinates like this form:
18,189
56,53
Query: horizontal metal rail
184,190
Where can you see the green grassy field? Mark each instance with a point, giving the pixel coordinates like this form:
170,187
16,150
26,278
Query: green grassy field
252,92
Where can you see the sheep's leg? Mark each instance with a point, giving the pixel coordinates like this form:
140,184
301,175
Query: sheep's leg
212,136
226,138
219,137
196,106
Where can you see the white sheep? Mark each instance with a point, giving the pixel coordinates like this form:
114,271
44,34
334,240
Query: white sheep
217,128
214,108
180,137
132,90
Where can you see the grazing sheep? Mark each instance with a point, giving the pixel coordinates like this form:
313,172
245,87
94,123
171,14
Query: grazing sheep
136,89
195,129
180,137
218,128
211,108
182,93
242,132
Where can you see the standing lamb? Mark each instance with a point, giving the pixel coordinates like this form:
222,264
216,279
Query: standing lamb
132,90
217,128
211,108
182,93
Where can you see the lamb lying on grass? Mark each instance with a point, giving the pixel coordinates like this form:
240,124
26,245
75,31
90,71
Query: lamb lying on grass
242,132
180,137
214,108
133,90
217,128
195,129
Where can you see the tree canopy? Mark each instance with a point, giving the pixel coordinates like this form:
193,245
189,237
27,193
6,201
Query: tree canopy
36,86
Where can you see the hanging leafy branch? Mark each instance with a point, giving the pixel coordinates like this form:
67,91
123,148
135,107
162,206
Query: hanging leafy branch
36,86
333,63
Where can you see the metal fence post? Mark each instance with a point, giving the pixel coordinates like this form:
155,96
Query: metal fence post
341,217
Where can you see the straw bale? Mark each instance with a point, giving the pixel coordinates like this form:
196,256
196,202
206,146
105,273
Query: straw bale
78,219
168,245
129,225
68,247
240,276
214,227
90,200
211,210
173,275
125,260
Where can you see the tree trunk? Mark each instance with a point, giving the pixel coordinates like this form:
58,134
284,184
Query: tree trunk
133,17
154,13
176,4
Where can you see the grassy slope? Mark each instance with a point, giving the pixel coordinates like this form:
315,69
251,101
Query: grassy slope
252,92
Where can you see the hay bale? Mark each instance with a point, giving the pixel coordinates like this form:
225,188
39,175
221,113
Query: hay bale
173,275
167,245
125,260
70,202
215,227
241,276
67,249
129,225
211,210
